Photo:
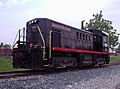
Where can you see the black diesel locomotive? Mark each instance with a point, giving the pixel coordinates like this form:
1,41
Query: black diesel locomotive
50,44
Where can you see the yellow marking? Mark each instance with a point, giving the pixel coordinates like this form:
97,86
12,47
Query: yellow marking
35,46
50,39
43,40
46,65
44,58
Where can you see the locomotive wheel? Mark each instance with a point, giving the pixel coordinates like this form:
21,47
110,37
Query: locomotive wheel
100,65
74,64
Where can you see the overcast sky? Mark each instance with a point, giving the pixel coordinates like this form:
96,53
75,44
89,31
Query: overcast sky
15,13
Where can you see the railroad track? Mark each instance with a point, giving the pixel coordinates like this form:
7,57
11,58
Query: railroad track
6,75
15,74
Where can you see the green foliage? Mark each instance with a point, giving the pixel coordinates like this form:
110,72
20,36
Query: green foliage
114,58
99,23
6,65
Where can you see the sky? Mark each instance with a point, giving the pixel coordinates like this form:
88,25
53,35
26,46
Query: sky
15,13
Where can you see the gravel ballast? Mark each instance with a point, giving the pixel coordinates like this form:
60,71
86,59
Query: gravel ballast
99,78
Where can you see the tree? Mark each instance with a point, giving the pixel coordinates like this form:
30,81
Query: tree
99,23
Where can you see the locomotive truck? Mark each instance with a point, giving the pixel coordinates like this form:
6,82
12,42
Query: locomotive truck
46,43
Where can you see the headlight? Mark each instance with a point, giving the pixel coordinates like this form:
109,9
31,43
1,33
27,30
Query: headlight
32,22
106,45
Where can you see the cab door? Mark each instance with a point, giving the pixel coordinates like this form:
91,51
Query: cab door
56,38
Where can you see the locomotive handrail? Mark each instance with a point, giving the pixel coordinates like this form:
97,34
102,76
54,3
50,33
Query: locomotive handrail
15,40
18,33
16,37
50,43
42,39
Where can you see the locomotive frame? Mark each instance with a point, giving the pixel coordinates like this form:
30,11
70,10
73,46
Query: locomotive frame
52,44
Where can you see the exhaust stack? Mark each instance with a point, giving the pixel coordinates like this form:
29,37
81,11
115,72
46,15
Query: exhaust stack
82,24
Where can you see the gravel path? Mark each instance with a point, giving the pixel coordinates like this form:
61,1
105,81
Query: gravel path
99,78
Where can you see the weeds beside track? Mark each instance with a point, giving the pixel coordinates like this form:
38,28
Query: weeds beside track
15,74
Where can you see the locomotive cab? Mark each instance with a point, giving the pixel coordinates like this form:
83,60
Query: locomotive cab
100,44
105,41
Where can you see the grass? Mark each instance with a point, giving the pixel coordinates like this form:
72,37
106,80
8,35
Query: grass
6,65
114,58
